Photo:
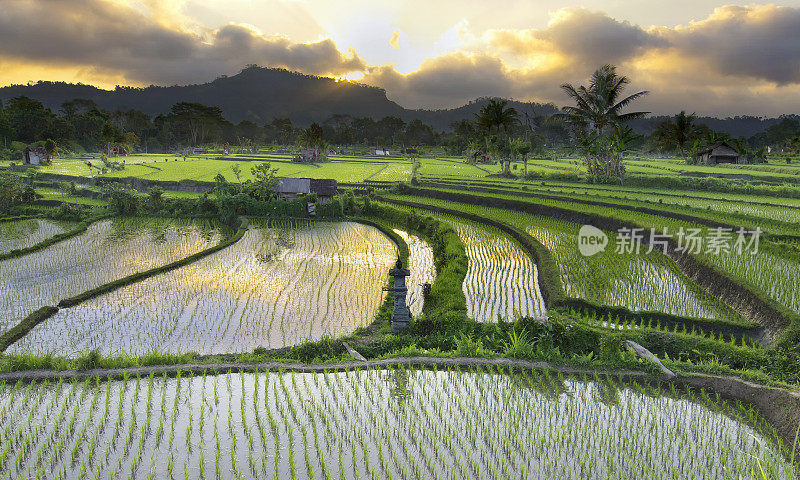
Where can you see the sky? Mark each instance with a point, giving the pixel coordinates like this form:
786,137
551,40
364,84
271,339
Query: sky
709,57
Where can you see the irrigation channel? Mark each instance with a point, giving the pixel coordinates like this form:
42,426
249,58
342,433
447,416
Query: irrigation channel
400,422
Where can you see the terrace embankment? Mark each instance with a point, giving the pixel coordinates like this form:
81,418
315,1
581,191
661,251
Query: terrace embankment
752,304
778,406
548,279
474,185
699,220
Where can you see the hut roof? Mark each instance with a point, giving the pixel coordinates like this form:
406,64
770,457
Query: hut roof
323,187
727,149
293,185
38,150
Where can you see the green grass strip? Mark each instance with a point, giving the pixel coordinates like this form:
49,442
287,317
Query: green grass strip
26,325
81,228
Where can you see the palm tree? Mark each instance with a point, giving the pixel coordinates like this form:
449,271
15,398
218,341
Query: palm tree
495,115
678,133
599,105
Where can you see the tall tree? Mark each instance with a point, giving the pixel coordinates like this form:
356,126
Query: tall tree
496,115
6,129
679,133
197,119
599,106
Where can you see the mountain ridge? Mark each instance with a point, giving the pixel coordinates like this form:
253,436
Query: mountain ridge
260,94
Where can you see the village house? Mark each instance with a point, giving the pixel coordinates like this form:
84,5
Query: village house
720,152
36,156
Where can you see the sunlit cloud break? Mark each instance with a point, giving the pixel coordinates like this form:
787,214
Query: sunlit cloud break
736,59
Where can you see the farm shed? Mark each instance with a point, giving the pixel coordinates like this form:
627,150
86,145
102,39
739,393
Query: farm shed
720,152
289,188
35,156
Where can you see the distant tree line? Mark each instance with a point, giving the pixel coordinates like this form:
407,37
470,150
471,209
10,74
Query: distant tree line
80,126
497,133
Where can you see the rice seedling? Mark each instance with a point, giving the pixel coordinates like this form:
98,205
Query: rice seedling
282,284
487,423
107,251
19,234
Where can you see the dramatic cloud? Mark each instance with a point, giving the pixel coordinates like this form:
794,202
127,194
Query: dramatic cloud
114,38
735,60
761,42
579,35
446,80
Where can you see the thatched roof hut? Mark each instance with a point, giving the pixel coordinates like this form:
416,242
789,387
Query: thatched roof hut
720,152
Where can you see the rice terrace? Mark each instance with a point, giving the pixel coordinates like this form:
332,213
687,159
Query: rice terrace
481,244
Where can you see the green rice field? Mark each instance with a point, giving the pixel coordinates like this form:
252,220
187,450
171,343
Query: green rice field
396,423
19,234
280,285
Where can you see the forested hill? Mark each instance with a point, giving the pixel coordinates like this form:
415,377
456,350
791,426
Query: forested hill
256,94
261,94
